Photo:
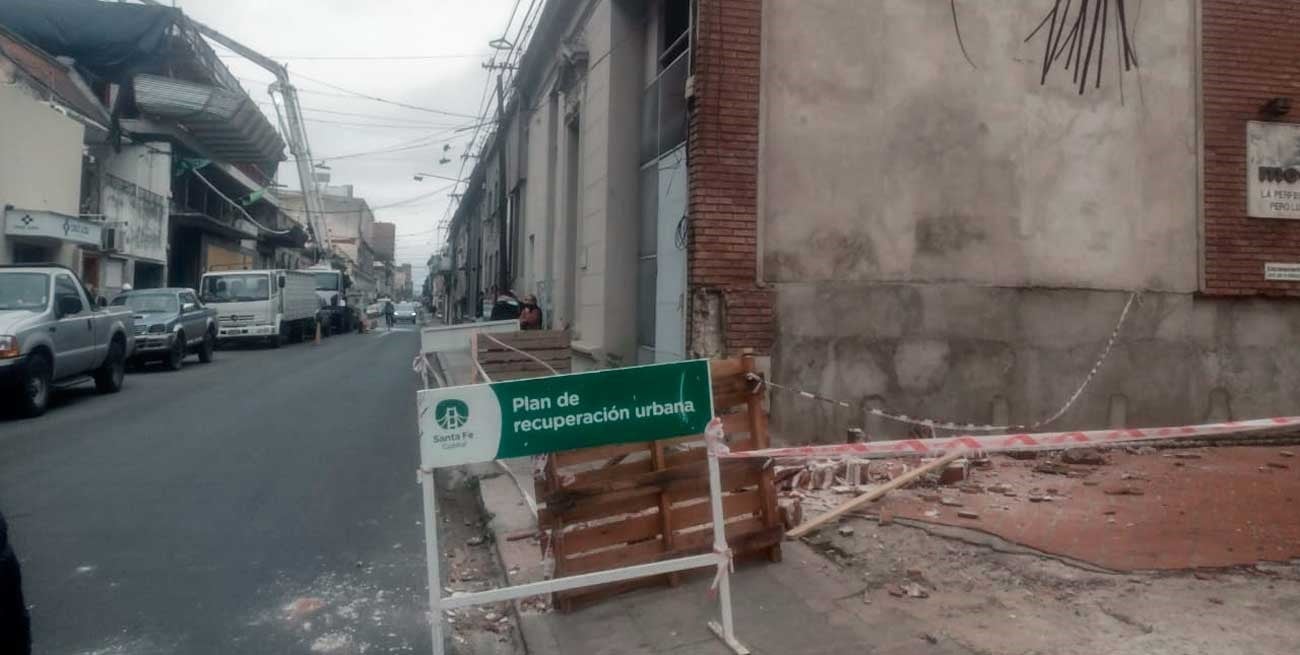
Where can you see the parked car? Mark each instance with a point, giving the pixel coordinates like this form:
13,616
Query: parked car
406,311
52,336
374,309
170,324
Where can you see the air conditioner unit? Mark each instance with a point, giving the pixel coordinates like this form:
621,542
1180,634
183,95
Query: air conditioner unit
114,239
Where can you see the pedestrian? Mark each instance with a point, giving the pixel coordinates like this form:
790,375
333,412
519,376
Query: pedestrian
389,311
15,624
530,316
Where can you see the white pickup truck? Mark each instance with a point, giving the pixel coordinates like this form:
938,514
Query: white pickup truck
270,305
53,336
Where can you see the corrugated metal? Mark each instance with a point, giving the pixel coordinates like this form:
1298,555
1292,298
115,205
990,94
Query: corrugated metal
228,123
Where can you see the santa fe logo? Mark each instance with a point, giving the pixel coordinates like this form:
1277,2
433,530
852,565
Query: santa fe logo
451,414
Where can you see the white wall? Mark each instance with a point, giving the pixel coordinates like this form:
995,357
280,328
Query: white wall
40,161
148,167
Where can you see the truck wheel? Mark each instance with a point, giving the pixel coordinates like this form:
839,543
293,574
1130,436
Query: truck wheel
109,376
278,340
209,345
176,358
34,393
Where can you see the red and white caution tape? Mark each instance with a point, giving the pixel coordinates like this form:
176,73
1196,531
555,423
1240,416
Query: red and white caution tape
1016,442
935,424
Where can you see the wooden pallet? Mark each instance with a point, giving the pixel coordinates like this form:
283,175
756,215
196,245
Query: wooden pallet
620,505
501,363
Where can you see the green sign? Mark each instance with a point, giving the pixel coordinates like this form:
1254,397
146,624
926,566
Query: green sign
483,422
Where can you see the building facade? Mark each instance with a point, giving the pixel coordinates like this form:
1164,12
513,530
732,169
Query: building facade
902,218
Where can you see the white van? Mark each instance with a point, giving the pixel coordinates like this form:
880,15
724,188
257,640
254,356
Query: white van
273,305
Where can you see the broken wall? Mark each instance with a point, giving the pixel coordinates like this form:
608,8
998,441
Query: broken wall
956,240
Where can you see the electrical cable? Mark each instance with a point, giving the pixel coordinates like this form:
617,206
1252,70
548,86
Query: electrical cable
236,205
231,55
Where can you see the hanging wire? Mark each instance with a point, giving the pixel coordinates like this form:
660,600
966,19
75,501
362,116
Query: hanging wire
1085,39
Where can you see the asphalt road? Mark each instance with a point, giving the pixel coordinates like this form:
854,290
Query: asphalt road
185,514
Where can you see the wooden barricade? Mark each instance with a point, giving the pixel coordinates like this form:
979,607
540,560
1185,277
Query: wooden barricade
500,357
616,506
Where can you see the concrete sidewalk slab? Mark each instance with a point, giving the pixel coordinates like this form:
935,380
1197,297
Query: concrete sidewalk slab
801,605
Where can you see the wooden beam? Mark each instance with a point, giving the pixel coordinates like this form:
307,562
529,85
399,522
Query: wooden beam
850,505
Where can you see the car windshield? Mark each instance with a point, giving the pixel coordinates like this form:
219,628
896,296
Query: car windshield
149,303
405,307
236,288
327,281
28,291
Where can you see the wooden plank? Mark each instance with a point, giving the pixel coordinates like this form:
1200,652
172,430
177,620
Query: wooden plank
567,458
725,368
729,400
883,489
529,338
735,504
569,510
690,543
548,516
766,485
691,476
665,508
736,423
596,475
496,356
632,529
743,547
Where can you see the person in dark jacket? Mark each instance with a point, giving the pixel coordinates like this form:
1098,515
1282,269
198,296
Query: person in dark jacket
15,625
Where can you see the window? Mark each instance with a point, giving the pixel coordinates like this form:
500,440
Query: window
187,298
647,256
675,30
65,287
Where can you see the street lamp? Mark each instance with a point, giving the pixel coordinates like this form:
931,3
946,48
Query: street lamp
419,177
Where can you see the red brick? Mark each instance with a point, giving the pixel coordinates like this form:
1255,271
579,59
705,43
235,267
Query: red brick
1243,42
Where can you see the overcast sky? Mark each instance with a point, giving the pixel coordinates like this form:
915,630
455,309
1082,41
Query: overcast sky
454,34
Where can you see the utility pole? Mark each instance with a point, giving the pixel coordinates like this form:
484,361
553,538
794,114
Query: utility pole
503,206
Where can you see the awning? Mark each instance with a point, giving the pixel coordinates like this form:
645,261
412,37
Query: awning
51,225
226,122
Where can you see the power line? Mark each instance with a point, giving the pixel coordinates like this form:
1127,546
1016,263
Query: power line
361,57
383,100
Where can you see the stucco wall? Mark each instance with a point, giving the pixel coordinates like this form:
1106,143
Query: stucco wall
40,161
956,242
888,158
951,352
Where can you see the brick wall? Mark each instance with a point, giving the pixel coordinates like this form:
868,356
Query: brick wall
723,253
1250,49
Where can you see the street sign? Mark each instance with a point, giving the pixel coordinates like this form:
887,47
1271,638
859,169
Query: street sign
480,423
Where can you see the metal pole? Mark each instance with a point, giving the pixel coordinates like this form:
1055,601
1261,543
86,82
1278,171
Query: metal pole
726,632
503,206
432,555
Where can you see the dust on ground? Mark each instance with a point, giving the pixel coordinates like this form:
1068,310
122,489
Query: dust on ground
1007,603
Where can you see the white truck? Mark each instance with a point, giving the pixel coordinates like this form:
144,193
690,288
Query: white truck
332,288
273,305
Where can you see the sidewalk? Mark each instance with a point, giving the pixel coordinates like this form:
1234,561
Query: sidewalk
803,605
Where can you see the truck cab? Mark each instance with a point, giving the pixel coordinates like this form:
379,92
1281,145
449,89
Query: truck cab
270,305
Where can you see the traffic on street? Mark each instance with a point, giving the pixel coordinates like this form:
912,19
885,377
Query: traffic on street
204,511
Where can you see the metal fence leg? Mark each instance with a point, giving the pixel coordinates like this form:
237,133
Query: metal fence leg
432,555
726,631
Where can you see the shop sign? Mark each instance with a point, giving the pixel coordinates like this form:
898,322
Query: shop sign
49,225
1272,170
